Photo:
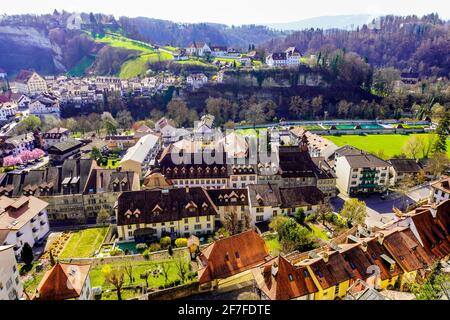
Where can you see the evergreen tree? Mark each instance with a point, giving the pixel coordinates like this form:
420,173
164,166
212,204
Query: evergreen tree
27,254
442,131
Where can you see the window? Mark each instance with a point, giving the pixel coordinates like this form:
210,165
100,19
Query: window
130,233
186,228
336,290
275,213
197,227
259,218
259,210
237,255
291,278
208,226
197,219
208,218
186,220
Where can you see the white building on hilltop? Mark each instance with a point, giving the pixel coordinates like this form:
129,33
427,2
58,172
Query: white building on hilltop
10,285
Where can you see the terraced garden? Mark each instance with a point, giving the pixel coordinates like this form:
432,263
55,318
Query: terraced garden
83,243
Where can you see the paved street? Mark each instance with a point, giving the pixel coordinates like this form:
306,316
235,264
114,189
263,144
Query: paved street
380,211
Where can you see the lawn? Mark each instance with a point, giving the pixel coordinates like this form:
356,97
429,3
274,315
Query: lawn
195,63
139,66
117,41
390,144
80,68
319,232
110,164
238,63
251,132
273,245
83,243
98,280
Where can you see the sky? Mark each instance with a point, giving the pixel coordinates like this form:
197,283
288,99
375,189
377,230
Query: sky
231,11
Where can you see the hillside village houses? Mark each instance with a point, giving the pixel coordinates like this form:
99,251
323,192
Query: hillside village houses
45,105
8,110
67,149
196,80
28,82
403,168
11,287
22,220
198,49
54,136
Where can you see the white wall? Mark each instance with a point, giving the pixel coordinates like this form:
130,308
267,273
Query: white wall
10,285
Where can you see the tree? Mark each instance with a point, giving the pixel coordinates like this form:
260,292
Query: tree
124,119
103,216
222,232
96,154
165,268
170,250
300,216
178,111
110,127
114,277
411,147
145,276
435,286
354,211
29,124
27,254
437,111
323,210
384,80
442,130
52,258
294,235
343,108
277,222
182,267
438,163
129,271
231,222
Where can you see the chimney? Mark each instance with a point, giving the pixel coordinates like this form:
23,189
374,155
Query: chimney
380,237
364,246
433,212
274,269
325,257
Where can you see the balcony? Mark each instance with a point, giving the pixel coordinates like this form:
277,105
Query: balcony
33,220
40,214
16,248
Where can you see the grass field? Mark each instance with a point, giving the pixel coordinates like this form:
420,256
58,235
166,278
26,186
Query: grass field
195,63
117,41
319,232
390,144
139,66
274,246
80,68
83,243
251,132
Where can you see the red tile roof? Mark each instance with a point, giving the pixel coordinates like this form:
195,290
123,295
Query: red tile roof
64,281
232,255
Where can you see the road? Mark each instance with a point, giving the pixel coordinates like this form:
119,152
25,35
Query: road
9,127
380,211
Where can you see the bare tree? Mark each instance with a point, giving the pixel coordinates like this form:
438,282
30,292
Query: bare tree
115,277
182,267
129,271
165,267
231,223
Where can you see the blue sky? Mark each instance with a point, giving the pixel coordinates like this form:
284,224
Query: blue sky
231,11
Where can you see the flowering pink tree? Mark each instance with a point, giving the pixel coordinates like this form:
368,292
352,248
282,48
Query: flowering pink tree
37,153
11,161
26,155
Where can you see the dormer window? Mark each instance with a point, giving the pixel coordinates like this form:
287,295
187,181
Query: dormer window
128,214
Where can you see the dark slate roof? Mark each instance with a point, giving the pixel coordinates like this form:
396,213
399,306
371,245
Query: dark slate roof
294,162
190,169
264,195
323,168
405,165
229,197
161,206
65,146
110,180
349,151
279,56
300,196
366,161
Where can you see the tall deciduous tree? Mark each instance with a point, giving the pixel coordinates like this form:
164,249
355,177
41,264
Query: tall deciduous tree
355,211
115,277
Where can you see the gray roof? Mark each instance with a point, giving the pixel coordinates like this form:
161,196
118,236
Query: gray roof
141,149
66,145
366,161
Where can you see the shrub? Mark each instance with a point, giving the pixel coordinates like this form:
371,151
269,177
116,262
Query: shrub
154,247
311,218
165,242
116,252
277,222
146,254
141,247
181,242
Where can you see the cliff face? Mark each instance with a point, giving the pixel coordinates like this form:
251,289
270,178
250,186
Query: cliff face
29,48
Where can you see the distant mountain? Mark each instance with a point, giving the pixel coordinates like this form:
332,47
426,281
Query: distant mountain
346,22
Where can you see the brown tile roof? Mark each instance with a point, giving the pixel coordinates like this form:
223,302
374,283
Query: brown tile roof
332,272
358,260
376,251
442,184
294,162
289,282
300,196
405,165
407,251
264,195
232,255
152,206
64,281
229,197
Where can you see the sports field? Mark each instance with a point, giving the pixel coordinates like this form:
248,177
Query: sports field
390,144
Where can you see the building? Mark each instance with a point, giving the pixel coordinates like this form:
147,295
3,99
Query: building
8,110
227,263
22,220
232,206
288,58
65,282
197,80
45,105
198,49
359,172
54,136
145,216
142,155
20,143
440,190
269,200
10,285
278,279
75,191
28,82
402,168
169,133
199,169
204,129
69,148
